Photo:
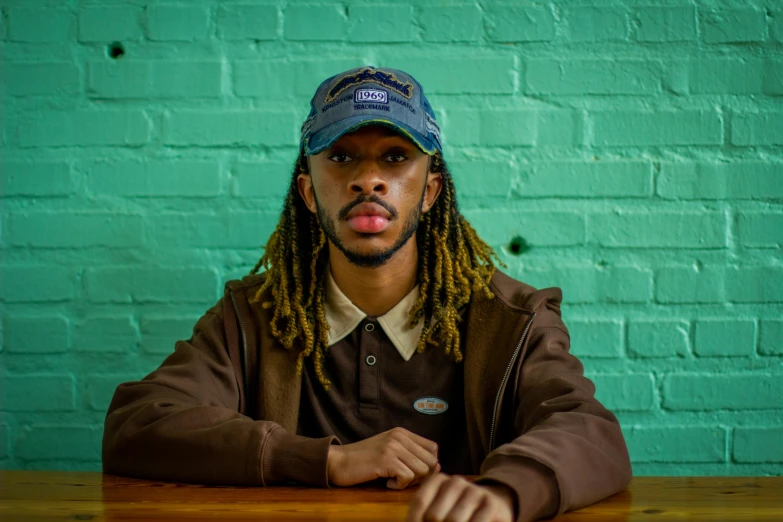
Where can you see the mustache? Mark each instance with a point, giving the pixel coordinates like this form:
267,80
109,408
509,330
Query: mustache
343,214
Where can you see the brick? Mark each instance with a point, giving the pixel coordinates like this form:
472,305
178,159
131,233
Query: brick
99,389
82,229
42,442
279,79
776,26
755,180
262,179
231,128
760,128
477,75
658,338
451,23
723,391
627,392
158,79
676,443
35,178
758,444
507,127
5,436
581,76
36,334
773,77
771,337
513,23
760,229
723,337
177,23
690,285
326,22
669,229
732,25
597,338
43,283
559,128
200,230
635,128
40,78
163,285
107,334
586,179
596,24
49,25
155,178
755,284
38,392
385,23
243,22
498,226
109,24
84,128
626,285
496,178
666,24
726,75
740,180
160,333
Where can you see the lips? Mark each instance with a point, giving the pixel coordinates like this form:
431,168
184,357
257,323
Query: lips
368,218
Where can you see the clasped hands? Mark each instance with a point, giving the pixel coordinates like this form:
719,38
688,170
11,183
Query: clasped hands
407,459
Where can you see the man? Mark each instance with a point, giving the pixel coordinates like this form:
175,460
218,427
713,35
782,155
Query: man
379,343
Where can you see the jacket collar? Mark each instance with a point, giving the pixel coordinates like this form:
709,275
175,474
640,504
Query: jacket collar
343,317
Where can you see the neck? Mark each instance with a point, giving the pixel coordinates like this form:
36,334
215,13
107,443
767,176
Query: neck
377,290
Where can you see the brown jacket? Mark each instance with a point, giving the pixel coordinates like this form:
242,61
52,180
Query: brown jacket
222,409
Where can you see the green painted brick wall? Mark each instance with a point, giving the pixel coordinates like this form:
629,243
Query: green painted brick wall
635,149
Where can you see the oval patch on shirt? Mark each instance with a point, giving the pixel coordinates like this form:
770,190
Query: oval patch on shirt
430,405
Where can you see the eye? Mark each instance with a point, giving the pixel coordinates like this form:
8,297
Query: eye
340,157
396,158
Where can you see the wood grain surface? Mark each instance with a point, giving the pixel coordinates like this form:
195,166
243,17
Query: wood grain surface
37,495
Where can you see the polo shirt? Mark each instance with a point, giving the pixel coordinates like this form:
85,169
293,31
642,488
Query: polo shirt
379,382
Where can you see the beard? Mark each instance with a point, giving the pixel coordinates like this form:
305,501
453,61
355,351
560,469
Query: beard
378,257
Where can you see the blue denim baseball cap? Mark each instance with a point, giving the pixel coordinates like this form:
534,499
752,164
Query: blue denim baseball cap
369,95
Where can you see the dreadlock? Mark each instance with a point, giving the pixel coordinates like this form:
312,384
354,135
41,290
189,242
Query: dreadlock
454,263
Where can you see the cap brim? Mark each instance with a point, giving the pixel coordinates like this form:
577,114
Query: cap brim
324,138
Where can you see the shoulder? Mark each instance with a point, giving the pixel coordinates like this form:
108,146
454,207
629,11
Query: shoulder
519,295
248,284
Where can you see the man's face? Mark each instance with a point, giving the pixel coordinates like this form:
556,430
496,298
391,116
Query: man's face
369,190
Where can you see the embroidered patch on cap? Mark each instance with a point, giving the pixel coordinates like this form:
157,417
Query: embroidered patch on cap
430,405
369,74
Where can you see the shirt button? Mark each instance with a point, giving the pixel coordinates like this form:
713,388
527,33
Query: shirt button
369,327
370,360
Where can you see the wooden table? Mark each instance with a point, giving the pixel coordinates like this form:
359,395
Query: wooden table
36,495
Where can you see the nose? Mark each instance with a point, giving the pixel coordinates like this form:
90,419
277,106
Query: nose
368,180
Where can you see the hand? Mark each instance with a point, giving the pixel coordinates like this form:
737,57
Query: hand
404,457
445,498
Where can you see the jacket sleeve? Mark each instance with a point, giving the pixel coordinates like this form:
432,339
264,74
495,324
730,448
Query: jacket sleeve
181,423
570,451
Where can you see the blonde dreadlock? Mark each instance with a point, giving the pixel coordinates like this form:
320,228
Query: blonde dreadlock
454,263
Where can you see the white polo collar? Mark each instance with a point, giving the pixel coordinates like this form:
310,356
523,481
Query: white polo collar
343,317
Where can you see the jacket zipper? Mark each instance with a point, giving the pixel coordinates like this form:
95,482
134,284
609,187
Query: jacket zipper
244,344
503,382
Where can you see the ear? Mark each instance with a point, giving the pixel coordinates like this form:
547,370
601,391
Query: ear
304,183
432,190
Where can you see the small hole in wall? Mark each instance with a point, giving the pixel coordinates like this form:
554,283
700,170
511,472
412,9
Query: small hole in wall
115,50
518,245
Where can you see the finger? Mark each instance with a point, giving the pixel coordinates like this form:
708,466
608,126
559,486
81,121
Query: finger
447,496
415,464
421,502
421,452
485,512
401,475
464,509
421,479
430,446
